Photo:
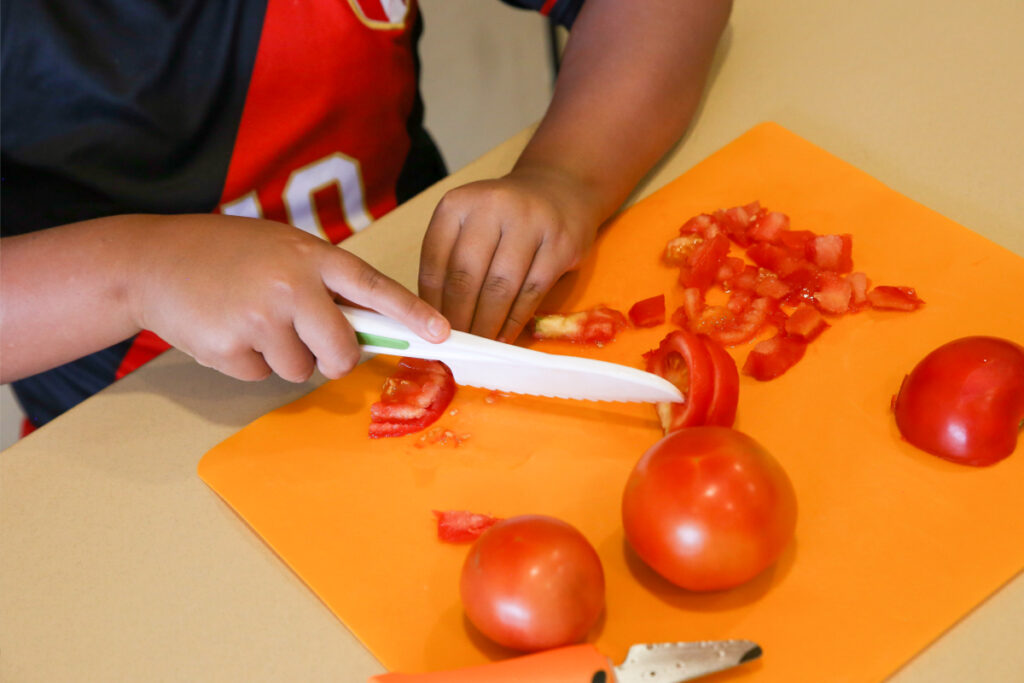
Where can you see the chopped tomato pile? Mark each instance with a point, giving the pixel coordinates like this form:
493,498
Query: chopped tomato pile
795,280
598,325
412,398
462,526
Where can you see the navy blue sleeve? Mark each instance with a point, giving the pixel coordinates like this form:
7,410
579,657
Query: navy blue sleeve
562,12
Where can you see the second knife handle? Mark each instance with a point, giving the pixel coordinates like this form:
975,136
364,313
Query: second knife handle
573,664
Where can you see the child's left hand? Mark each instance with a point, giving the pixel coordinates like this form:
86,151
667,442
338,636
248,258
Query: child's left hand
494,248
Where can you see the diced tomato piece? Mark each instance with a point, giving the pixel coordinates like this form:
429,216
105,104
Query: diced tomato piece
412,398
736,328
648,312
795,241
833,294
859,284
683,359
698,225
890,298
805,323
678,249
772,357
745,280
703,263
776,259
831,252
769,227
598,325
461,526
731,268
737,220
769,285
724,398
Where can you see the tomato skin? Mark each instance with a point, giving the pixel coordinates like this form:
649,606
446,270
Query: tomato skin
725,396
532,582
683,359
964,401
708,508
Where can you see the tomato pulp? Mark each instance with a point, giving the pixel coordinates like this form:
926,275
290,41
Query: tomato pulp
532,582
708,508
965,400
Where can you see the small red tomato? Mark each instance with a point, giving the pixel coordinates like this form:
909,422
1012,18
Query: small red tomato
532,582
965,400
708,508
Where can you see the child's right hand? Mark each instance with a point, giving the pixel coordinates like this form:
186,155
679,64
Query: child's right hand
249,297
245,296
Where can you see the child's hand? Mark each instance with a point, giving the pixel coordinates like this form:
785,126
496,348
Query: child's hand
250,297
494,248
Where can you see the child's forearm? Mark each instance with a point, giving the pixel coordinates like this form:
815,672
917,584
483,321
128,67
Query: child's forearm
630,82
64,293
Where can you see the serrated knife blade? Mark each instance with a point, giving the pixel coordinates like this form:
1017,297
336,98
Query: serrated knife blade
480,362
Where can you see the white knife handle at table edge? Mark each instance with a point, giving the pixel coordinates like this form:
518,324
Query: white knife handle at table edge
571,664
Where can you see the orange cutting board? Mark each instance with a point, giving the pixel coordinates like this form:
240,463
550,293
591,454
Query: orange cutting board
892,545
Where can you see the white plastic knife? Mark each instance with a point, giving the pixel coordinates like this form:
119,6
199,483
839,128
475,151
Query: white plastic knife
479,362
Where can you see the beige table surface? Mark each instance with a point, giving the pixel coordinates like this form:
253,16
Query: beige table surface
117,563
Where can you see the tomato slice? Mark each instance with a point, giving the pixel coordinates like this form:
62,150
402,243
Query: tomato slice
683,359
598,325
725,396
648,312
772,357
462,526
412,398
894,298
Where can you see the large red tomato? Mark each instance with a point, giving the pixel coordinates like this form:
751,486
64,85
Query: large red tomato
965,400
708,508
532,582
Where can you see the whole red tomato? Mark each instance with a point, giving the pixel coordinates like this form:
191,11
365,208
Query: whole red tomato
965,400
708,508
532,582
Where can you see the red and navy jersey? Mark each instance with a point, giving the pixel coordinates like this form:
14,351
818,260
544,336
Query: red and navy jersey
306,112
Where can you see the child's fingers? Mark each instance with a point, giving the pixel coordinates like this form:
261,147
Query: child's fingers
545,270
355,280
286,354
468,264
247,365
327,334
503,281
438,243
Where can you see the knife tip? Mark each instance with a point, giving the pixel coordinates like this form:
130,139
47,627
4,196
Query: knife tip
751,654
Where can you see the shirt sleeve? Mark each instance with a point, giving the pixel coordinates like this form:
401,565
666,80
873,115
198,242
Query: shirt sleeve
561,11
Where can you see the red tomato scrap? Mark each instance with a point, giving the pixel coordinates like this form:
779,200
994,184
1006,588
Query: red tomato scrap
598,325
708,508
706,375
532,582
792,271
412,398
965,400
648,312
462,526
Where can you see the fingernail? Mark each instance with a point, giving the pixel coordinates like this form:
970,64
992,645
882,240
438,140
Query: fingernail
437,326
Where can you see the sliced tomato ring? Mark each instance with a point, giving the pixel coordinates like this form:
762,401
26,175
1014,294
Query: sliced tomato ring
412,398
462,526
683,359
772,357
725,396
648,312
